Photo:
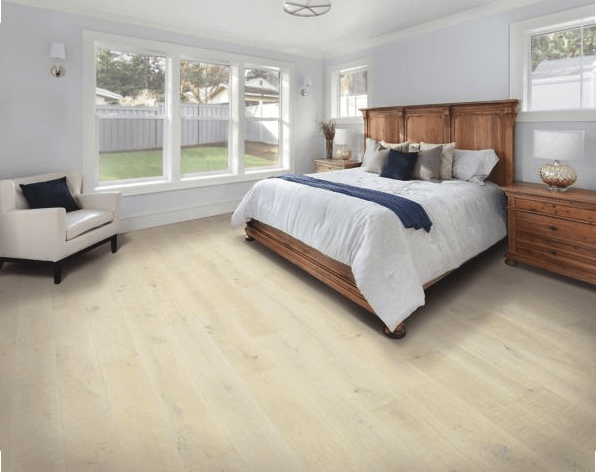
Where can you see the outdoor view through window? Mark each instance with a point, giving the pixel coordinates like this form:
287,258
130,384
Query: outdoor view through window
130,109
563,67
129,105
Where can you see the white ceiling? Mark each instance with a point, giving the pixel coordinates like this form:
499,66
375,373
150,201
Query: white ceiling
351,24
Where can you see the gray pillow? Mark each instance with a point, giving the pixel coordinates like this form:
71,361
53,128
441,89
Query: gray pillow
375,157
428,165
446,172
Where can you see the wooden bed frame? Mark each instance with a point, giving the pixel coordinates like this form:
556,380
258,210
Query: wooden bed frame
474,125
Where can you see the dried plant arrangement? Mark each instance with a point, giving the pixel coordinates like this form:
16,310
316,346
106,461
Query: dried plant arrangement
327,128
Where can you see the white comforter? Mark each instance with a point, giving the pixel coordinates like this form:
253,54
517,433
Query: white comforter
390,263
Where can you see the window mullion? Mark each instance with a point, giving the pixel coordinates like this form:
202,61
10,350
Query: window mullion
172,150
238,121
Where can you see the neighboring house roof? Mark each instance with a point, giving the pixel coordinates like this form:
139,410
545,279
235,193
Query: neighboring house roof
563,67
101,92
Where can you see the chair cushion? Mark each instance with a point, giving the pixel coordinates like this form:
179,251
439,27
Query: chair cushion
81,221
49,194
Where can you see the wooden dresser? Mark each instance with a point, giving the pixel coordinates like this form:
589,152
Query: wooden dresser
326,165
555,231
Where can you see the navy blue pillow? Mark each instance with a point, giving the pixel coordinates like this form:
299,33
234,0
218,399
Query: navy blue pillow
400,165
49,194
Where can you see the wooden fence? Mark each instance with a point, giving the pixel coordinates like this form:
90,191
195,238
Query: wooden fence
127,128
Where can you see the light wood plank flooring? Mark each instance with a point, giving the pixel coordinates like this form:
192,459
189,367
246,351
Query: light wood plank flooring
194,350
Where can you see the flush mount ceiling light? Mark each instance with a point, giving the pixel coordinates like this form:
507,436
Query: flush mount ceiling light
307,7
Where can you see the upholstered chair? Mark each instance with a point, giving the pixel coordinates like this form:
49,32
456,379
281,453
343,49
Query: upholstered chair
55,234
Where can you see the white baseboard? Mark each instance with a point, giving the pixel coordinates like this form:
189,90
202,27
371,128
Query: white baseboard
177,215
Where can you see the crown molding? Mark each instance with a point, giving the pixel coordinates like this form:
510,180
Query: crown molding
117,17
452,20
339,49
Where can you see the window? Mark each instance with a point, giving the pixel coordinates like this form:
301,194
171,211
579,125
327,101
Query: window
349,90
131,120
263,117
161,116
553,65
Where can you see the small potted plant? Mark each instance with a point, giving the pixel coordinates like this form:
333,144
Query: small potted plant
328,130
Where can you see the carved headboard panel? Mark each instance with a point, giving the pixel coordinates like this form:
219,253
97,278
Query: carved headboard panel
475,125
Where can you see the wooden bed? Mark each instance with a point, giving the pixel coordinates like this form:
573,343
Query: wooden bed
475,125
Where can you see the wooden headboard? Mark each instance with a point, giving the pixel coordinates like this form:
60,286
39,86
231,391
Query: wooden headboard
474,125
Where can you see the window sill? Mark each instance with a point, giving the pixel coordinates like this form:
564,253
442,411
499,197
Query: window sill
161,186
556,116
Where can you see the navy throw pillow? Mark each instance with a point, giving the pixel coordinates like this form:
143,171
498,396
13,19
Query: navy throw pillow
49,194
400,165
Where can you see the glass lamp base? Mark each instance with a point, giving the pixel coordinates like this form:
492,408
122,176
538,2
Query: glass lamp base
557,177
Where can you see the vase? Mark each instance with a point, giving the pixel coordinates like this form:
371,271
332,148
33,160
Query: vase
329,148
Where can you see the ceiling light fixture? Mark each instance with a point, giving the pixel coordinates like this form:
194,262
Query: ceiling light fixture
307,8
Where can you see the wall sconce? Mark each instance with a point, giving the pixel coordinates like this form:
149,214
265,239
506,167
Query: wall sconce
58,54
306,83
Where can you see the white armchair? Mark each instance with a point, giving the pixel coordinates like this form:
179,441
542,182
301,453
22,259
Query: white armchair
52,234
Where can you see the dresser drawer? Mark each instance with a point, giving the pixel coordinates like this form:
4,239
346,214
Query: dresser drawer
547,228
555,251
555,209
325,168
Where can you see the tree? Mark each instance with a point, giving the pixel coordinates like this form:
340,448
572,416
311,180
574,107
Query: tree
202,81
129,74
563,44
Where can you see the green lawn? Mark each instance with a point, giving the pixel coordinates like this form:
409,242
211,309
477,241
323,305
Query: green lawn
134,164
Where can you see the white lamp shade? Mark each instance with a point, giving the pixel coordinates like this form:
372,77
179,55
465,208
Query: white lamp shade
58,51
342,136
559,145
307,82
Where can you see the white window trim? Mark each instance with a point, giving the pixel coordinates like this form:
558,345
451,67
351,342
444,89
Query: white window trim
173,180
332,73
519,68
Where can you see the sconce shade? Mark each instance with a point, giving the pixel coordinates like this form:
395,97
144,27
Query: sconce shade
307,8
58,51
307,81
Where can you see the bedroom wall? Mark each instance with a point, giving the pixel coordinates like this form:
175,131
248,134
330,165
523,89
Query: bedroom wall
467,62
41,116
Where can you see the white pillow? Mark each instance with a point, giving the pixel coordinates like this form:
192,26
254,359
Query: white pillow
401,147
474,166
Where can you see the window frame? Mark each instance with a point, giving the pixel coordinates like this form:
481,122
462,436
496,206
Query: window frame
172,178
520,61
333,73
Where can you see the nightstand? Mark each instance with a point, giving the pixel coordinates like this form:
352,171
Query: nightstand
326,165
555,231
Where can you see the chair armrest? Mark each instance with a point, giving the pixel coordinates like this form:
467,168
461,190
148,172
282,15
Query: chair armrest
32,233
100,201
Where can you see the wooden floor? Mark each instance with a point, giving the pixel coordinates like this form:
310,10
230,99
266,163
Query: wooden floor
194,350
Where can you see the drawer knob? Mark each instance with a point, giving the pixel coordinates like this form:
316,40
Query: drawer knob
554,252
553,228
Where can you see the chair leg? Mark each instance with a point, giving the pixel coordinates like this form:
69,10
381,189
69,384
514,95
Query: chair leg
114,243
57,272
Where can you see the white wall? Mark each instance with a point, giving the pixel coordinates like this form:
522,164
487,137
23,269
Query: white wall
467,62
41,117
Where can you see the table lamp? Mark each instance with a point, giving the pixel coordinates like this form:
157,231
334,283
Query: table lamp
342,137
558,146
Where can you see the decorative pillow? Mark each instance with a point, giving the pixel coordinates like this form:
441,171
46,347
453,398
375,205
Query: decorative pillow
375,160
474,166
49,194
399,165
446,171
401,147
428,165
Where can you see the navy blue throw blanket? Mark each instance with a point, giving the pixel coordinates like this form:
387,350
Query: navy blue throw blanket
411,214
